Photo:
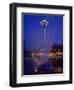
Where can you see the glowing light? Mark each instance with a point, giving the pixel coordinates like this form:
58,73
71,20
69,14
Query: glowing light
35,70
32,54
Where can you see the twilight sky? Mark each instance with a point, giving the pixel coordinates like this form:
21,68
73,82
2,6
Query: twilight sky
33,31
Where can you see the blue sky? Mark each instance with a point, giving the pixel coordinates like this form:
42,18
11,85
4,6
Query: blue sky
33,31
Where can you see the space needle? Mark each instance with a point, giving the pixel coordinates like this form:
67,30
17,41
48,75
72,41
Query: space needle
44,24
42,58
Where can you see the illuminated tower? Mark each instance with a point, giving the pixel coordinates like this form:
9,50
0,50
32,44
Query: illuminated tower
44,24
42,58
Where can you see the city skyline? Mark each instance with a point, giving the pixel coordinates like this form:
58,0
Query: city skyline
43,44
